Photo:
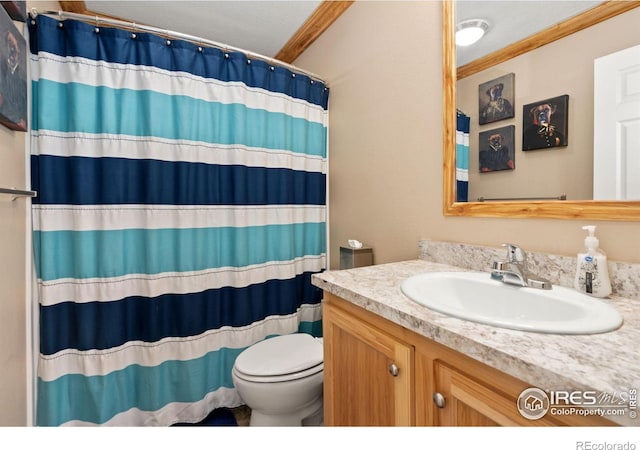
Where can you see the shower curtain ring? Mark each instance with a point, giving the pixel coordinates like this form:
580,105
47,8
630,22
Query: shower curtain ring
133,33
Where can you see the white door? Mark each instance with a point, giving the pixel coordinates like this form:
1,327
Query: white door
616,118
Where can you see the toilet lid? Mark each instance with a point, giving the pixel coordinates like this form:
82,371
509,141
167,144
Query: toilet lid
280,355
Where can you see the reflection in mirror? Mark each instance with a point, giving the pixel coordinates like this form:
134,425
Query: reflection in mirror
538,78
511,21
544,78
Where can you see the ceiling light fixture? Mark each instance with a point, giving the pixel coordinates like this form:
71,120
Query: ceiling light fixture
470,31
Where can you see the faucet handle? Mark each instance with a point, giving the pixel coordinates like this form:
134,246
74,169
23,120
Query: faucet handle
514,253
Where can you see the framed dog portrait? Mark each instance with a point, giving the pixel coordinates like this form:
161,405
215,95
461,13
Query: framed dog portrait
496,99
544,123
13,75
496,150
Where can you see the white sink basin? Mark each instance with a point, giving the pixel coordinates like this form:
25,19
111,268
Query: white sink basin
476,297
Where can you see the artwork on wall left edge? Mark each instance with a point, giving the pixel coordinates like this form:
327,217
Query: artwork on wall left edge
13,75
16,10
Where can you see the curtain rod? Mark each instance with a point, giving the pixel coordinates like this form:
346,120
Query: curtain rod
97,20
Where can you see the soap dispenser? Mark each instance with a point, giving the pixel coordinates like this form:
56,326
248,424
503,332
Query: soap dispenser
592,274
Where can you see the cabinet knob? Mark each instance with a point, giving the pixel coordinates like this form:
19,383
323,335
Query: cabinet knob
439,400
394,370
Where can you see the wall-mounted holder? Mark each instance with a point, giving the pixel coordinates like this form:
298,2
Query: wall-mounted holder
559,197
17,193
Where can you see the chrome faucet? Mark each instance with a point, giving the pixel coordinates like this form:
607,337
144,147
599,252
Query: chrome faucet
514,270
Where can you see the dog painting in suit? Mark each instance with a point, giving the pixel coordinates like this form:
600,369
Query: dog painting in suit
496,149
547,123
498,107
496,99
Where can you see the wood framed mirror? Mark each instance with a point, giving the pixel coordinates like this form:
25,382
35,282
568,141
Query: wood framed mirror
566,209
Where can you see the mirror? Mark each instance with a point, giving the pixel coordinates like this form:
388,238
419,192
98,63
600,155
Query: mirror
571,209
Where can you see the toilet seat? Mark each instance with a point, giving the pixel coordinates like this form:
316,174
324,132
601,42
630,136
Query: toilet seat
281,358
279,378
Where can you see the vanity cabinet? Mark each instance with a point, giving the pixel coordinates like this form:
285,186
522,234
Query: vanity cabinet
368,374
378,373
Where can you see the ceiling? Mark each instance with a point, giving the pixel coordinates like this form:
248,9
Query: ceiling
270,27
280,29
258,26
513,20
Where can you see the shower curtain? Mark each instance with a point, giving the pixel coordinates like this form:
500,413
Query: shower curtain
180,215
462,157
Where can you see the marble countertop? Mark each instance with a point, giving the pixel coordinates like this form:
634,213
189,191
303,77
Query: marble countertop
606,363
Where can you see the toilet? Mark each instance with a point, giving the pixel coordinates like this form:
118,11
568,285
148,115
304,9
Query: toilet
280,380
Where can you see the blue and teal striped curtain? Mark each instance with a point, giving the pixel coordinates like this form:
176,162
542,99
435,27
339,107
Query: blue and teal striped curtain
180,215
462,157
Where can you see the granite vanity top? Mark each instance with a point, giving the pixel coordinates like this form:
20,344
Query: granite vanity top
606,363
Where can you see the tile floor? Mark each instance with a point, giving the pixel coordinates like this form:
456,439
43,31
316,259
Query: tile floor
242,415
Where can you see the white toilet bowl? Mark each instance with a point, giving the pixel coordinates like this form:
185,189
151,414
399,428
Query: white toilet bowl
280,379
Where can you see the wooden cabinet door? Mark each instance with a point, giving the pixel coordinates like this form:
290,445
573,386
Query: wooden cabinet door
361,383
471,403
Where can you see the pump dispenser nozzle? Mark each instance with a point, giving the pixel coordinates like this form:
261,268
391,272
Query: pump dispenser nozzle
591,242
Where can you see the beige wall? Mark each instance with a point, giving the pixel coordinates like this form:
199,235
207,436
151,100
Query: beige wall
383,63
562,67
15,274
13,281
